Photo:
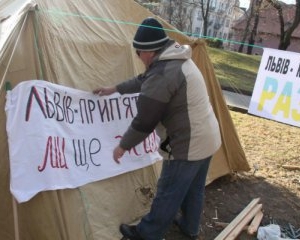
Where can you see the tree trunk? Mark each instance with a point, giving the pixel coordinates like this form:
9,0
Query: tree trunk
285,35
255,26
250,15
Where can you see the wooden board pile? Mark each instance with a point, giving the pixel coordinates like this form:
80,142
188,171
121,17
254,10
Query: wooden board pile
249,220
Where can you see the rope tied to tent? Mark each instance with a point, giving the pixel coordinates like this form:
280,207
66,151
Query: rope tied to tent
108,20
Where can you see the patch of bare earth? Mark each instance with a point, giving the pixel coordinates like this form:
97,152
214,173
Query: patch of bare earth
269,147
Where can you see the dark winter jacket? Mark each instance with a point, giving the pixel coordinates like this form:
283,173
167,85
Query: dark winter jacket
173,92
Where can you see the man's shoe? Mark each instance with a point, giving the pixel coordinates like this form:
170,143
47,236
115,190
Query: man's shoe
192,237
130,232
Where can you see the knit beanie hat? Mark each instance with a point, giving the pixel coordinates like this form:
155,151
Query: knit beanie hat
150,36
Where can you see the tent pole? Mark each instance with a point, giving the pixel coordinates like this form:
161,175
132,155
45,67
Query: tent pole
16,219
13,51
14,202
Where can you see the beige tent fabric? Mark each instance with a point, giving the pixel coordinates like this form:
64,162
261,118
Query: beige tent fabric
85,44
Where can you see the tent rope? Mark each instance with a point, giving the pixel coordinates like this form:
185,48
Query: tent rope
12,53
62,13
70,14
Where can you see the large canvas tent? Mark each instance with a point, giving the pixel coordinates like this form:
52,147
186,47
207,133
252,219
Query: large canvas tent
83,45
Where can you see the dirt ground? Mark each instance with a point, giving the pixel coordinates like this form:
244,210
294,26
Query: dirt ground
269,146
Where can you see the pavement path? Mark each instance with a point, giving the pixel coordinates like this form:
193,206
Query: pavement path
237,100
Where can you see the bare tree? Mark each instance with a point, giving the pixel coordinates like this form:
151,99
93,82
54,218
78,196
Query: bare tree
177,13
286,34
253,32
180,15
190,15
249,15
207,10
204,5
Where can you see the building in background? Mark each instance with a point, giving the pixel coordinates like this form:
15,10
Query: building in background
268,32
189,17
225,22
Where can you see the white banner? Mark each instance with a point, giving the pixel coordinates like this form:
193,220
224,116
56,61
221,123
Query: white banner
61,137
276,92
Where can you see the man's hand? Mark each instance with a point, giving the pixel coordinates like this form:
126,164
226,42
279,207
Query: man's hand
118,153
104,91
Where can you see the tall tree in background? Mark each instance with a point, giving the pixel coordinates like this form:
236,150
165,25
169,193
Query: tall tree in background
177,13
206,10
252,23
286,34
249,15
204,5
257,6
179,16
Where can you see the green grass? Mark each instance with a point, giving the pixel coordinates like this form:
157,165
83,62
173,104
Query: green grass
236,71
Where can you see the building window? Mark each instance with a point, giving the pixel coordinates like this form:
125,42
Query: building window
227,23
199,16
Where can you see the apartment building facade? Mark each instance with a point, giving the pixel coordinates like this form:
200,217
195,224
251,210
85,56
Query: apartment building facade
220,17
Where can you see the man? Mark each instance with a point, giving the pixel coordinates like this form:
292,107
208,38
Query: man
172,92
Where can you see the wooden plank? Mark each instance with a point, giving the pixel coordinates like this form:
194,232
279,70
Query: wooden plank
239,227
255,223
224,225
221,224
291,167
239,218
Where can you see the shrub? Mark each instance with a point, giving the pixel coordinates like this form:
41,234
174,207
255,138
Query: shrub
214,42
